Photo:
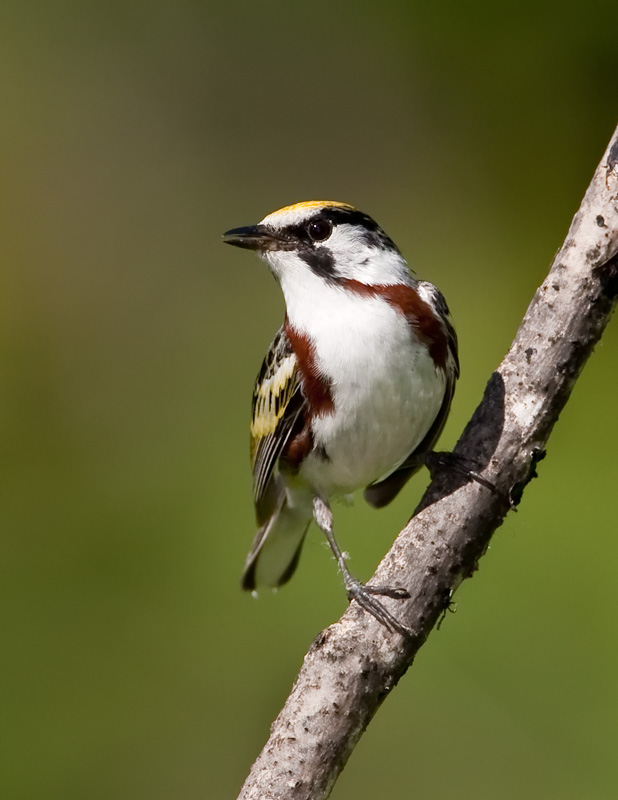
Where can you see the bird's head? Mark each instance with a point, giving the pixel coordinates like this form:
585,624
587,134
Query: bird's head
333,241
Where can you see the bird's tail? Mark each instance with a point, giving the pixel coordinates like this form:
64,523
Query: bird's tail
276,548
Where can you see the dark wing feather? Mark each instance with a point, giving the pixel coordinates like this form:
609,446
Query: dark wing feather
442,309
277,404
380,494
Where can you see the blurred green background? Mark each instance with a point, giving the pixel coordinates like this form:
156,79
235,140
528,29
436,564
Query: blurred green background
132,135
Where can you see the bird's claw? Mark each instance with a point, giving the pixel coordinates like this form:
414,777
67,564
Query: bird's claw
396,592
364,596
436,461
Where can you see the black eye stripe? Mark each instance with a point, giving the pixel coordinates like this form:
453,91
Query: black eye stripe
301,233
371,232
319,229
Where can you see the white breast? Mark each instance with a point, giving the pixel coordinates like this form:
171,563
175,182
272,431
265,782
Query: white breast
386,389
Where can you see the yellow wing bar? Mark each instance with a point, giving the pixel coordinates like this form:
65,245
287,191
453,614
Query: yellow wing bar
272,397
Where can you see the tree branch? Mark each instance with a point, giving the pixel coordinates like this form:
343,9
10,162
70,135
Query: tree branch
353,665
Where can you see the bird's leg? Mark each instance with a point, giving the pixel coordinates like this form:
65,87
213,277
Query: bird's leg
362,593
435,462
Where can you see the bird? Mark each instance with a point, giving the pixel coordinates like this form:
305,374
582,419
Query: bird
354,390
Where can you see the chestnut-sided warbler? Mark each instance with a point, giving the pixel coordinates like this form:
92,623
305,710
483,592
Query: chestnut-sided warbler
354,390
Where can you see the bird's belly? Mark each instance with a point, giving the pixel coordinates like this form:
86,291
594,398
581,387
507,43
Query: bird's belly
382,412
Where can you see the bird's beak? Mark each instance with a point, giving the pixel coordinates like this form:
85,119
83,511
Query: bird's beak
253,237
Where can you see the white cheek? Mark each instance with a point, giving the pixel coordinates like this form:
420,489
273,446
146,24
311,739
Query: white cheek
357,260
352,257
288,268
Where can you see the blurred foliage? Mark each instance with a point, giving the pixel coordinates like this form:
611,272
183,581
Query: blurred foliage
133,134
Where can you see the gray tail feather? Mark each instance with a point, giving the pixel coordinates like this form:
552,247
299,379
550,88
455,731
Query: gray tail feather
275,551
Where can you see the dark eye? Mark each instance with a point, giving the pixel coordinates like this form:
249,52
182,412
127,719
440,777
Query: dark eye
319,229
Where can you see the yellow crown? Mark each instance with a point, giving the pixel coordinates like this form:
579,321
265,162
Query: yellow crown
307,204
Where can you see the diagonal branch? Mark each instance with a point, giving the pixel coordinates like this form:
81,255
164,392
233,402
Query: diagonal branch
354,664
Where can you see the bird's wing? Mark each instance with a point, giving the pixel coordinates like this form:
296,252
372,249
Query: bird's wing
278,404
380,494
442,308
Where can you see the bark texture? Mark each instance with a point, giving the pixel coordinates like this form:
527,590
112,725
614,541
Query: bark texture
354,664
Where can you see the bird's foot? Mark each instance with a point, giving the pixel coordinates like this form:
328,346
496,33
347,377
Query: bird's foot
365,597
361,592
438,461
396,592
